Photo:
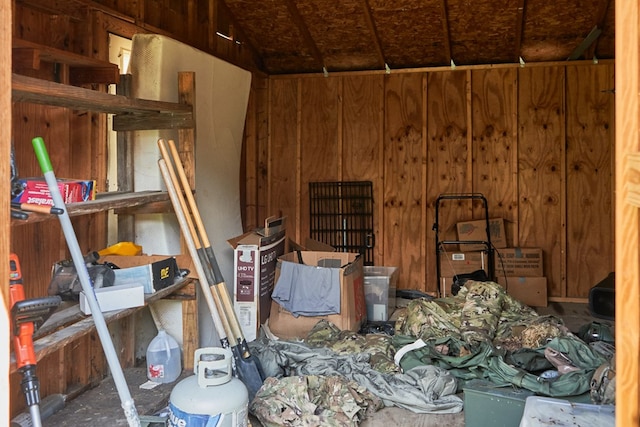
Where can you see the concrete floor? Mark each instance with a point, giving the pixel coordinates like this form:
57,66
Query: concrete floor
392,416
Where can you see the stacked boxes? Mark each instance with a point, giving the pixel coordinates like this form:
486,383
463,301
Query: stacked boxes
520,271
454,263
477,231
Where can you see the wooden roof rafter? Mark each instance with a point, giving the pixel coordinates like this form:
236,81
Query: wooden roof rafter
374,31
238,33
590,53
306,34
445,31
522,4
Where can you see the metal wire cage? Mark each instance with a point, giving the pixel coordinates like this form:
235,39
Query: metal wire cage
342,216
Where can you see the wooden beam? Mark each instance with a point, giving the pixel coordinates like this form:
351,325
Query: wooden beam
519,28
306,35
382,62
37,91
601,19
445,30
627,216
5,221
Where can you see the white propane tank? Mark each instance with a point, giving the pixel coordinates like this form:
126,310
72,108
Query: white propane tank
211,397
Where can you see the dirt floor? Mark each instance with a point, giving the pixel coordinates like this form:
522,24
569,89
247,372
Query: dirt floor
101,405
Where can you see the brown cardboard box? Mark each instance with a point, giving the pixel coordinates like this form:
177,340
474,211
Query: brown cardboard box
452,263
353,310
531,291
445,286
254,264
476,230
519,262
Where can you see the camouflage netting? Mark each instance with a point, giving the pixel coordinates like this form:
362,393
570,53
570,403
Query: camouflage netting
484,333
481,312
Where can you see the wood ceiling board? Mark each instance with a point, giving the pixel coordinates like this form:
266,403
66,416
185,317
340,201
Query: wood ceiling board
340,30
553,30
270,28
483,33
411,32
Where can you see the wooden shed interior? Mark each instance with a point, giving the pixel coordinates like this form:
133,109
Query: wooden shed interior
512,99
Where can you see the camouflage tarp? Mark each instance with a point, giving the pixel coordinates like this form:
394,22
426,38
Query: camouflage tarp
425,389
485,333
311,401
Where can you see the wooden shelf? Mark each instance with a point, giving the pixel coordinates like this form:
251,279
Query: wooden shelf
28,55
103,202
82,325
138,114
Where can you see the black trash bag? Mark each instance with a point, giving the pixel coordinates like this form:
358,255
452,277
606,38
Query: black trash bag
460,279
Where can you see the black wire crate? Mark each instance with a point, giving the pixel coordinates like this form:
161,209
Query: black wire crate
342,216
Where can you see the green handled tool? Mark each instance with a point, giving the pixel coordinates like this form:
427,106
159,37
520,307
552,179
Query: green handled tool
78,260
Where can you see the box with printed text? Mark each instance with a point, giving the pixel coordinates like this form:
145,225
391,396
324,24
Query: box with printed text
255,255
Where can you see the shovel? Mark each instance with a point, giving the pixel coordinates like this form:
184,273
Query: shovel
214,272
247,368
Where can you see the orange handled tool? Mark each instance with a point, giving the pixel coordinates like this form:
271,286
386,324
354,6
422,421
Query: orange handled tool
23,332
26,316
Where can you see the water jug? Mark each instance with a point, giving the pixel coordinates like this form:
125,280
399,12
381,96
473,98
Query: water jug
163,358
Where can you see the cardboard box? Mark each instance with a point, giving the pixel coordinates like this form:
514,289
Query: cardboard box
476,230
445,286
452,263
153,272
353,310
36,191
115,298
380,285
254,264
531,291
519,262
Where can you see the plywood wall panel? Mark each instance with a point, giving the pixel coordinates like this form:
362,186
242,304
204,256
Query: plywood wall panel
404,240
494,112
362,142
448,156
541,184
283,152
40,241
320,150
590,139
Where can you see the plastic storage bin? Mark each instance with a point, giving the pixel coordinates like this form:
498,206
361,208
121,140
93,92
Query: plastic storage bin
486,404
546,411
380,292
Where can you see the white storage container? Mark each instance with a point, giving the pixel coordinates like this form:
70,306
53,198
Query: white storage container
545,411
380,292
